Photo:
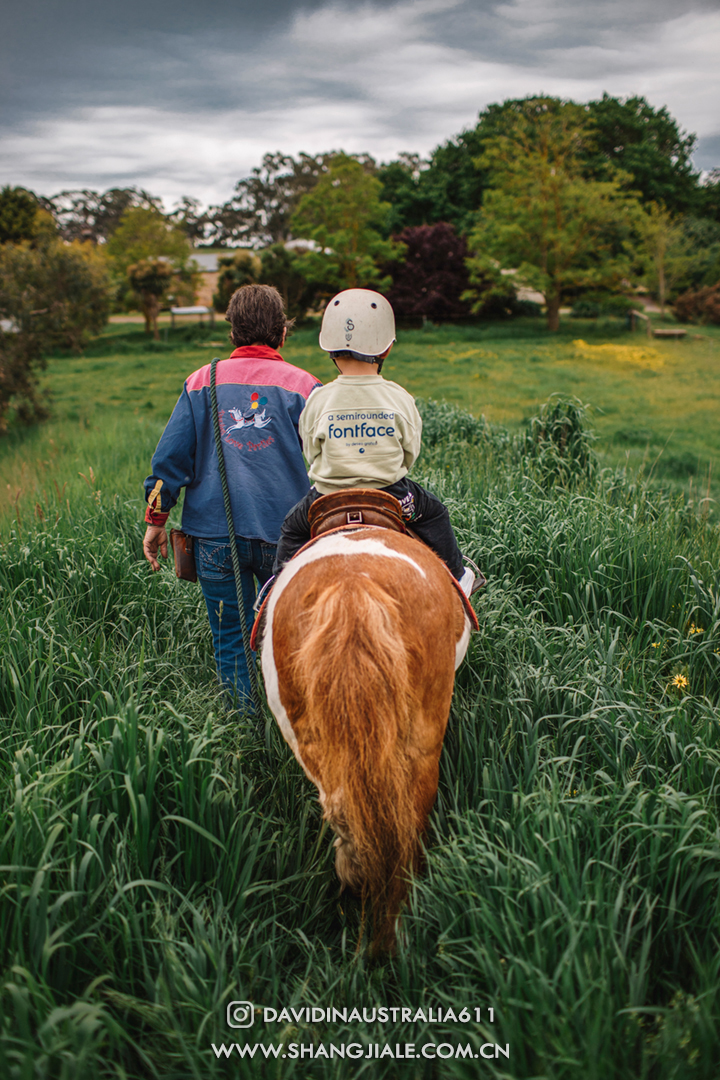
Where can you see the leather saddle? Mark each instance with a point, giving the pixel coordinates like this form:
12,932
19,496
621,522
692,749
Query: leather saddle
351,509
355,506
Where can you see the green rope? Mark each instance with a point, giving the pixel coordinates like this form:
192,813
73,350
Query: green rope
249,656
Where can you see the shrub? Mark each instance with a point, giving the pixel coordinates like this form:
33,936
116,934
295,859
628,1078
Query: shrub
53,295
280,266
702,306
443,423
593,306
242,268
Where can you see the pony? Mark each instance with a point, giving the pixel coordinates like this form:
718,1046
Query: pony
363,633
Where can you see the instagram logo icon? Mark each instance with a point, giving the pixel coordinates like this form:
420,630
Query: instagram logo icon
240,1014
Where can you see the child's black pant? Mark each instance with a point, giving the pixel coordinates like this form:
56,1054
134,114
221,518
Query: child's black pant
423,512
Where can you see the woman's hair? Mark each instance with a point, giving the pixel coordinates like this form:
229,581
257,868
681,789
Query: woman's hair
256,314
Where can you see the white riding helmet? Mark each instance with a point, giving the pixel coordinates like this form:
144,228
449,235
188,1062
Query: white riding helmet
359,322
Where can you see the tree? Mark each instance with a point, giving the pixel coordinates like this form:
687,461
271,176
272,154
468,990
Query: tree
663,249
52,295
146,235
150,280
648,146
541,216
194,222
630,136
18,214
236,270
710,196
89,215
259,212
703,240
344,217
281,267
433,277
447,188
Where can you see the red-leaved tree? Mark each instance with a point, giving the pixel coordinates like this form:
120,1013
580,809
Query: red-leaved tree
433,276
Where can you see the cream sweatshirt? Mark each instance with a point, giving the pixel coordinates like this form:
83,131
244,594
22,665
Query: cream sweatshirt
359,431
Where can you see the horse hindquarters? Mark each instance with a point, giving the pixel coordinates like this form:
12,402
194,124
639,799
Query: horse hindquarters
363,635
350,701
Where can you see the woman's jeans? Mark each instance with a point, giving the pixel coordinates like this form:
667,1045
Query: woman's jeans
217,580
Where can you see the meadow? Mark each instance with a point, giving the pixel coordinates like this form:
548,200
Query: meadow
161,858
654,404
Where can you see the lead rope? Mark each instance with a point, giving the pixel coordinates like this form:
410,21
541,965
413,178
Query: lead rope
249,657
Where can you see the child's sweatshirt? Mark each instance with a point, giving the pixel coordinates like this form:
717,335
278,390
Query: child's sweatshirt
359,431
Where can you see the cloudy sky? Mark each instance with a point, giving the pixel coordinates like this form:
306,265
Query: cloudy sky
184,98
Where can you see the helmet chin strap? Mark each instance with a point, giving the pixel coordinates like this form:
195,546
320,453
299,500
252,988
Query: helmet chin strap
379,360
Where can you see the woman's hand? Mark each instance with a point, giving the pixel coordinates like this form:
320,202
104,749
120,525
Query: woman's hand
155,537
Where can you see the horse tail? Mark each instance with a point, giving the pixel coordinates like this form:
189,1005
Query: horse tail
361,713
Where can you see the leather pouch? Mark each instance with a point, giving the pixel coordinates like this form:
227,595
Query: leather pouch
182,546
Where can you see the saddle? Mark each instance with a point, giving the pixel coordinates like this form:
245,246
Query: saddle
354,508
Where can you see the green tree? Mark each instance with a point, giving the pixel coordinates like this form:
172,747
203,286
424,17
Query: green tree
236,270
648,146
664,250
541,216
143,232
345,218
710,196
703,239
82,214
150,280
281,267
195,222
145,235
263,203
18,214
52,295
446,188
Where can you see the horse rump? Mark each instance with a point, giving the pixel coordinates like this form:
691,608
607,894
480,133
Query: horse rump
357,703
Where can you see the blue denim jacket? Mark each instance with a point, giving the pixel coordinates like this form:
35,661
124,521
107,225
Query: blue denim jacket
260,398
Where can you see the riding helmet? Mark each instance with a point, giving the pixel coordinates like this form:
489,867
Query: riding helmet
358,322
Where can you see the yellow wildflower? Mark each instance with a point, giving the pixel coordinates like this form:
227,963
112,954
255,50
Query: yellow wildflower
679,682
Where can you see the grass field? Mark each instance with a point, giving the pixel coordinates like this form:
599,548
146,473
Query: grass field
656,404
161,858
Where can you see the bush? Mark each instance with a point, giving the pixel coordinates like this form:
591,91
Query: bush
280,266
593,306
53,295
701,306
528,308
242,268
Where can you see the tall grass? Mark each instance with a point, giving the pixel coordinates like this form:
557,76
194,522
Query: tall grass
161,857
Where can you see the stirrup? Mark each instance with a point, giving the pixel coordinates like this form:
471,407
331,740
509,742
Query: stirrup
480,579
263,593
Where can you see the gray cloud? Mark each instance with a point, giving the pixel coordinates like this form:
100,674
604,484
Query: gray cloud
182,98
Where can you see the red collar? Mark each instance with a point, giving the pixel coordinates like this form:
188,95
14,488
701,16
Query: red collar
256,352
